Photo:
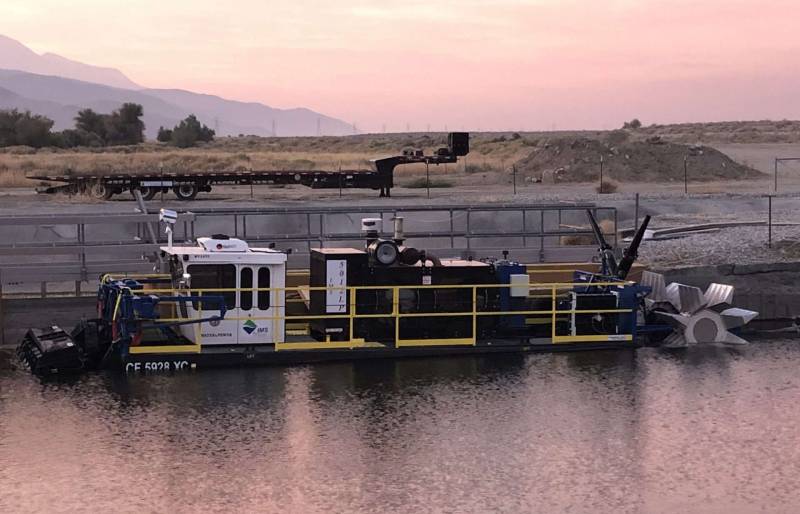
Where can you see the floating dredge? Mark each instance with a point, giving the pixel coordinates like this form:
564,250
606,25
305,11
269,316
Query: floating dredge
222,302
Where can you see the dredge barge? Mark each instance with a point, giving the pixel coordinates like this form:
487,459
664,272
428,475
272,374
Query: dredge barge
221,302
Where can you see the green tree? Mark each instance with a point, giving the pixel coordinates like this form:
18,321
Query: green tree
91,122
164,135
189,131
124,126
28,129
8,123
33,130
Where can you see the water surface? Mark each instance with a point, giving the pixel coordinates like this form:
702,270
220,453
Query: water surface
703,430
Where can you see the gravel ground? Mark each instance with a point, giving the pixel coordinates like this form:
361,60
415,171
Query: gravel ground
740,245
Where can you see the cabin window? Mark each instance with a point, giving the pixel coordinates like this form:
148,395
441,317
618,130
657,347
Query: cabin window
214,276
263,282
246,286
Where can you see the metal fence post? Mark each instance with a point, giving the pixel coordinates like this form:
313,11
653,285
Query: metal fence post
769,221
2,312
601,174
514,174
686,174
775,186
428,178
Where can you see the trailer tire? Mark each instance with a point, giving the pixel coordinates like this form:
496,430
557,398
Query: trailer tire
100,191
185,191
148,193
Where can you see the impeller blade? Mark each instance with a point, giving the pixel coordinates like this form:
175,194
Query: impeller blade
735,317
675,340
691,298
676,320
733,339
654,281
718,294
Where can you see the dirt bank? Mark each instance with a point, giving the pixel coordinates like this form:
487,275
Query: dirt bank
578,160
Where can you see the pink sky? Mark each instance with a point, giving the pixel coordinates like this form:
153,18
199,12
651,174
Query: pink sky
490,65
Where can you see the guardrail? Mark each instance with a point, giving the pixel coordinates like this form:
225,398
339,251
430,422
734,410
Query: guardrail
71,248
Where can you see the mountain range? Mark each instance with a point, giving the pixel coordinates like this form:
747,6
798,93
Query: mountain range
58,88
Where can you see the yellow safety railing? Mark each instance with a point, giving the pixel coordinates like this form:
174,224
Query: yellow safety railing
555,291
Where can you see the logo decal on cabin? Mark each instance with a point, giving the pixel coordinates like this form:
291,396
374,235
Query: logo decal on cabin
249,326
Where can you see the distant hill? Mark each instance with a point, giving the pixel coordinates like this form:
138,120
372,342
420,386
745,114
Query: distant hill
58,88
16,56
60,99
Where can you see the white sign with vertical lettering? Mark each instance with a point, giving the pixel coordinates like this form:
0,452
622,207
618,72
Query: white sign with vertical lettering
336,299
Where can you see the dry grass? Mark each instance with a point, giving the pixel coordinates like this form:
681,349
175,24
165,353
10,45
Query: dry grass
9,178
491,154
250,153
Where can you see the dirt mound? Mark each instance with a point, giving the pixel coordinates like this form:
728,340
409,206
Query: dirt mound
652,160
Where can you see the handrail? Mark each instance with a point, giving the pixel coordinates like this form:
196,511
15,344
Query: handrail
533,232
277,306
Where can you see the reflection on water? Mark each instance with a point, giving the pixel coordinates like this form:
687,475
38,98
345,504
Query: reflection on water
704,430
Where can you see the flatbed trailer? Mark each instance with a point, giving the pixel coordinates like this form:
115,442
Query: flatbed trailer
186,185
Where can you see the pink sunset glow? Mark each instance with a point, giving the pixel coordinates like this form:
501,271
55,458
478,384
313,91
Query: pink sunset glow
489,65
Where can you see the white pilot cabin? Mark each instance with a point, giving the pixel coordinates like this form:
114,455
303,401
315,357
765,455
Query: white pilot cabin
255,314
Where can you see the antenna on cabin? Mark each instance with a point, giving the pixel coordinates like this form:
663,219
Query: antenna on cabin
169,217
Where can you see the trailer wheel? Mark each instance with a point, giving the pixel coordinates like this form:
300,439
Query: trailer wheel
101,191
148,193
185,191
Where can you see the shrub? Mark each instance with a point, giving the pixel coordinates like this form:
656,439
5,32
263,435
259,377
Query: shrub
477,168
71,138
634,124
617,137
607,187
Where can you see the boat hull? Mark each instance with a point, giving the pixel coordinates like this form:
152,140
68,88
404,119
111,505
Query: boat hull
265,355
